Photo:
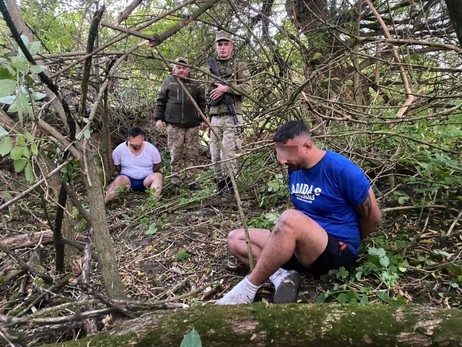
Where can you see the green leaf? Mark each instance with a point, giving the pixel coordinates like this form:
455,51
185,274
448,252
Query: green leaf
34,149
24,103
384,261
7,87
87,133
34,47
191,339
20,64
29,173
20,164
342,298
8,99
5,74
3,131
38,68
29,136
152,229
20,140
17,152
38,96
6,146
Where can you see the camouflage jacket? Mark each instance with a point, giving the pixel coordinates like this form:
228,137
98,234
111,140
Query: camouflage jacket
236,75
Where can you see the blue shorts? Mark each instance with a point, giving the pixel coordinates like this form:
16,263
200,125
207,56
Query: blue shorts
336,255
136,185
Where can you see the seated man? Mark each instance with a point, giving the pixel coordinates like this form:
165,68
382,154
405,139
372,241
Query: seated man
334,208
138,163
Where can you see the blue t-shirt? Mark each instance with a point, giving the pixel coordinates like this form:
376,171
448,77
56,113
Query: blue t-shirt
328,193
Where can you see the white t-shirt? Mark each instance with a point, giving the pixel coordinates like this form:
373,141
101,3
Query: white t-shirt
137,167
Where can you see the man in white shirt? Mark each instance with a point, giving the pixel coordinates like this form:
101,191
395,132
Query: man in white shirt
138,163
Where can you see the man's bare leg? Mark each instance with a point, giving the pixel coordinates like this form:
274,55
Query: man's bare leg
154,182
294,233
120,181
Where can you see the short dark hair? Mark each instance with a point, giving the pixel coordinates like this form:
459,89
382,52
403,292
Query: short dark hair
135,131
290,130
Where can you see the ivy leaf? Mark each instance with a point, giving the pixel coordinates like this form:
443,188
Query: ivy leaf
7,87
20,164
191,339
6,146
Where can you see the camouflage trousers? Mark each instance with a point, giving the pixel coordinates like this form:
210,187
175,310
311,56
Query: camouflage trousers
183,145
231,140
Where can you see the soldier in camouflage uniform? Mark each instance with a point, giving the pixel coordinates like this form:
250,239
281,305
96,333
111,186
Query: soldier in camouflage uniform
234,81
174,108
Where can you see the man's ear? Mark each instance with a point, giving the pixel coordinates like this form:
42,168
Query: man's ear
307,144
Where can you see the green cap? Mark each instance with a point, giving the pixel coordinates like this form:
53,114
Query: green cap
223,35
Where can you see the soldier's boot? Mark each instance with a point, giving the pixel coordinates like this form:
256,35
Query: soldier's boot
221,186
229,189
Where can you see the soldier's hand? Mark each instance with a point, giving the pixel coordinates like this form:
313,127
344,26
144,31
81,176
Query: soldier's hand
218,91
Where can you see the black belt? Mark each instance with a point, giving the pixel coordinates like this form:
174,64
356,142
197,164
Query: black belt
221,114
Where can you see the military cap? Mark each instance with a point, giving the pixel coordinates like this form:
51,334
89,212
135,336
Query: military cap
223,35
181,60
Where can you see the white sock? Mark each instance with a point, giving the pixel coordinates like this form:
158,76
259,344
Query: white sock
279,276
243,293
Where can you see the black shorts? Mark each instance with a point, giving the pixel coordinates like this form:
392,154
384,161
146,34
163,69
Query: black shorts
336,255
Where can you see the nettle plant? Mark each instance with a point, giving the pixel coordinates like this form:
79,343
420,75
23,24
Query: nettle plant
16,90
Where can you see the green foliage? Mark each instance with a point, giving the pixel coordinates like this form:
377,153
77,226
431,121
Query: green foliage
153,228
276,190
191,339
266,220
385,266
182,255
16,81
20,150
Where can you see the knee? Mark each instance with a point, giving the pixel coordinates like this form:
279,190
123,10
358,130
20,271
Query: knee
235,237
289,220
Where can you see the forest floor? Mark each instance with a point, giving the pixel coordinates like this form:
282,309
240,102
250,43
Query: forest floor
175,250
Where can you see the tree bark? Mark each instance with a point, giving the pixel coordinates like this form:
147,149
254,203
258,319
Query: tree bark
101,236
28,239
289,325
455,13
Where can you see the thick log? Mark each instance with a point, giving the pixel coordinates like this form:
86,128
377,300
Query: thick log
289,325
28,239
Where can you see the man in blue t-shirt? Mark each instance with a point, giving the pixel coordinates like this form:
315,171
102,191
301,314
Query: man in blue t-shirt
335,208
138,163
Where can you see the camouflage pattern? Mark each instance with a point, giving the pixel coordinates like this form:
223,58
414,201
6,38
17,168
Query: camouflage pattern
231,140
183,145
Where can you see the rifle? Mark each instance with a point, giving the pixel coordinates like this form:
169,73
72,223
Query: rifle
226,98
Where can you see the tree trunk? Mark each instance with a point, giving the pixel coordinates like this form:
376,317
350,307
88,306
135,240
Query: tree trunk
101,236
289,325
455,13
